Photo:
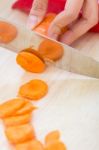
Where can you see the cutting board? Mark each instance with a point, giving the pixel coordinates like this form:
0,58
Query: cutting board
71,105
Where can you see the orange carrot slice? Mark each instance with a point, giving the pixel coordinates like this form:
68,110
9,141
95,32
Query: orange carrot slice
52,137
19,134
30,145
17,120
8,32
27,108
33,90
10,107
51,50
30,62
34,52
56,146
42,28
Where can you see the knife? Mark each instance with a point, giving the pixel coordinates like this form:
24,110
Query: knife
72,60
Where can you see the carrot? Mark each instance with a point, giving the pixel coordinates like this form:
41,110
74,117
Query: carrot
30,145
34,52
17,120
51,50
8,32
33,90
42,28
30,62
10,107
20,134
52,137
56,146
27,108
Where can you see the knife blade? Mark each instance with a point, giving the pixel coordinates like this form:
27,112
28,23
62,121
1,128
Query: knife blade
72,60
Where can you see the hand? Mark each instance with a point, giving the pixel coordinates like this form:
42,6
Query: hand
70,14
37,13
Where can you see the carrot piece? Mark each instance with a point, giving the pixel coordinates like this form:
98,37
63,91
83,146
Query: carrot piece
33,90
34,52
52,137
10,107
27,108
42,28
51,50
30,62
8,32
30,145
17,120
20,134
56,146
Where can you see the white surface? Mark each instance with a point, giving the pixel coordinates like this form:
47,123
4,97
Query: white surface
71,105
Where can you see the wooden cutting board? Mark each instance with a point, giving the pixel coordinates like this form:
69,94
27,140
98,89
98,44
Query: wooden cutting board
71,105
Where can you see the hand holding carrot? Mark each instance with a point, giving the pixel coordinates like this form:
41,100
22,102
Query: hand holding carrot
69,15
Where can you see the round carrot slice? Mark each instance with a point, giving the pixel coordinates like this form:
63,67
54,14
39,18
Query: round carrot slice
52,137
8,32
34,52
51,50
20,134
17,120
56,146
10,107
30,145
42,28
27,108
33,90
30,62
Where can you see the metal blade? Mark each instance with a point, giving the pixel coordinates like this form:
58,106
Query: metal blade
72,61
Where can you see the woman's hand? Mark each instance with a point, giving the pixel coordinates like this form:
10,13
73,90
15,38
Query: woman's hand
69,15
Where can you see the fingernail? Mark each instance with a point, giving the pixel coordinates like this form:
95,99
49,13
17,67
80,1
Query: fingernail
32,22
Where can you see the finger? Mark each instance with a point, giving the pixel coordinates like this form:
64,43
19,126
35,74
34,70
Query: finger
70,13
37,13
84,24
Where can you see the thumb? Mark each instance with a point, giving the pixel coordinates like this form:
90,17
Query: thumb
37,13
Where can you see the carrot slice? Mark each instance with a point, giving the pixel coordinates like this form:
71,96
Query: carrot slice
10,107
42,28
34,52
56,146
30,145
17,120
19,134
27,108
51,50
52,137
30,62
33,90
8,32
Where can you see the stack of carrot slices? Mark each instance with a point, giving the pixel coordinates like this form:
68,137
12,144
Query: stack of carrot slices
8,32
34,61
16,115
31,61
